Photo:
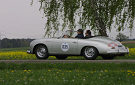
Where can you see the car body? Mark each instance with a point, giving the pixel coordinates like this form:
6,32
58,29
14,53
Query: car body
90,47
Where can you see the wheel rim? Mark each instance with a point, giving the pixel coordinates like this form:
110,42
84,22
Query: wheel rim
41,52
89,52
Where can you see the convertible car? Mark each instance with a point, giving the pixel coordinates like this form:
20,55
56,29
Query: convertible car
90,48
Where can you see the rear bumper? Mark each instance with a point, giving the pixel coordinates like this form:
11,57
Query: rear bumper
118,51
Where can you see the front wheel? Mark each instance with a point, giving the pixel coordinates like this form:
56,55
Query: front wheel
90,53
41,52
61,57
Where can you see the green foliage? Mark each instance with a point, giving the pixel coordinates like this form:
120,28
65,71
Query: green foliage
99,15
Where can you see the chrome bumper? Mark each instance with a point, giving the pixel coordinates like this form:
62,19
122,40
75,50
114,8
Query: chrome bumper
118,51
29,52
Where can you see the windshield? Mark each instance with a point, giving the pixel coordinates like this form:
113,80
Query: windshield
69,33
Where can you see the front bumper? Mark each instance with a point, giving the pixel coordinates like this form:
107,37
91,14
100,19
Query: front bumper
29,52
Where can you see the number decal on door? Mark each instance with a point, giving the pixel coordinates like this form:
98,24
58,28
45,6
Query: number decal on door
64,46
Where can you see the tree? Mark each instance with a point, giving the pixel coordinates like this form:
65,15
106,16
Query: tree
15,43
121,37
99,15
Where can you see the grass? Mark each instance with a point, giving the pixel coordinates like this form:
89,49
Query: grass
67,74
23,49
129,45
63,73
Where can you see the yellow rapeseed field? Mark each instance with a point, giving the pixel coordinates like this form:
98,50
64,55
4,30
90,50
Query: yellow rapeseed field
23,55
132,52
16,55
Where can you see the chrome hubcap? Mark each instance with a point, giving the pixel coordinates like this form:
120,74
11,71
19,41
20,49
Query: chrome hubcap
89,52
41,52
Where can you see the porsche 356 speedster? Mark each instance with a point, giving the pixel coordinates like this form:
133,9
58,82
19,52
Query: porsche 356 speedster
90,48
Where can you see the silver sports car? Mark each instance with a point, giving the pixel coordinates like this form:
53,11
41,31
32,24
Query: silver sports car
90,48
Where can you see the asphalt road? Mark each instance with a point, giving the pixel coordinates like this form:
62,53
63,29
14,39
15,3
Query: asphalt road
67,61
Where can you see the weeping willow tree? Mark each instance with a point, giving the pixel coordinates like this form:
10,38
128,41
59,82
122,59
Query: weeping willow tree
99,15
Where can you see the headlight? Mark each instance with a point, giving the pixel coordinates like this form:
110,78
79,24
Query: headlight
112,45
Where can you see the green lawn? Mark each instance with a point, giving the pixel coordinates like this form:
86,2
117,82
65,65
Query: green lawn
67,74
64,73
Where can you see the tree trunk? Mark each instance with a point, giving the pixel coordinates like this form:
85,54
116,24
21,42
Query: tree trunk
98,20
101,26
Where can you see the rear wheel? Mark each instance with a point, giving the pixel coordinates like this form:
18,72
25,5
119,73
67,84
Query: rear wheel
90,53
108,57
41,52
61,57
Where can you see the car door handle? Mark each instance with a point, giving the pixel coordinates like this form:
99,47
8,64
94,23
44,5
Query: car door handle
74,42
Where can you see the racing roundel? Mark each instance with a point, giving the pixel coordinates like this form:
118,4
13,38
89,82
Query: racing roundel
64,46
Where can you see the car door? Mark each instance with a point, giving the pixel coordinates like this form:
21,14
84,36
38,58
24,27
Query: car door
69,46
53,45
62,46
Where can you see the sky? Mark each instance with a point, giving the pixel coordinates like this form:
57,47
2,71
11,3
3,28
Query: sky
19,19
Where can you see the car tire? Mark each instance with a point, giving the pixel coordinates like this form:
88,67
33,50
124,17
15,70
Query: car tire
41,52
105,57
61,57
90,53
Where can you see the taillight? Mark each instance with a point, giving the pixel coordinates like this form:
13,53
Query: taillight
112,45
